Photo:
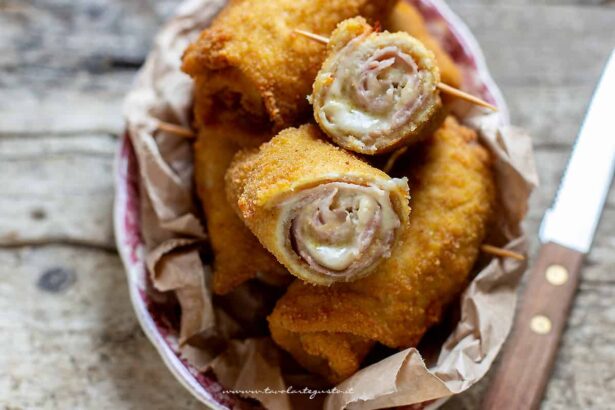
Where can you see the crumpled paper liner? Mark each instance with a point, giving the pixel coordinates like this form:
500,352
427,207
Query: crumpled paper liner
172,232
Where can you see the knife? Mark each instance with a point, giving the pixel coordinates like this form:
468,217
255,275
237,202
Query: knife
566,234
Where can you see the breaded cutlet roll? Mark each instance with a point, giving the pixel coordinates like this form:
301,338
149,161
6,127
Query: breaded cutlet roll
330,330
326,215
252,63
238,256
406,17
376,91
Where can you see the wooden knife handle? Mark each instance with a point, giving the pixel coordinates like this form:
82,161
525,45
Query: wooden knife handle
527,360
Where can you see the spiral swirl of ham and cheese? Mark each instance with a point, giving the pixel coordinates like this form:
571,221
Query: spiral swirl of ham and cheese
376,91
326,215
340,230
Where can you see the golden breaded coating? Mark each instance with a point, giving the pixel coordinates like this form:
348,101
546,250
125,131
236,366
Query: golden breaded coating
238,256
405,17
330,330
326,215
251,62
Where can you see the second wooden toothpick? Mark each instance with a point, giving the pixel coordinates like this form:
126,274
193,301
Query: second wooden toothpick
445,88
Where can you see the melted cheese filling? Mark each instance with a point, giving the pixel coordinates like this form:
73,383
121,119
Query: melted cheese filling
374,92
340,229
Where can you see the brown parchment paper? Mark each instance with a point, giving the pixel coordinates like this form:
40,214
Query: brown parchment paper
172,233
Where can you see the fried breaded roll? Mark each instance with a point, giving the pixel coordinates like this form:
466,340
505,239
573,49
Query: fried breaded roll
376,91
238,256
405,17
326,215
330,330
251,61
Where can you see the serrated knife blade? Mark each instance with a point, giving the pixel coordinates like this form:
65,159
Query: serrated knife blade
566,233
574,216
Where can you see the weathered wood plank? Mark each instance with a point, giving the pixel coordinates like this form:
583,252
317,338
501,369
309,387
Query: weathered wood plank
549,65
77,59
542,45
81,103
65,67
552,114
70,338
91,35
57,188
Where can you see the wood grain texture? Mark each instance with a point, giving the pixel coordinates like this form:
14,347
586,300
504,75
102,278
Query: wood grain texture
64,68
66,64
57,189
528,356
76,346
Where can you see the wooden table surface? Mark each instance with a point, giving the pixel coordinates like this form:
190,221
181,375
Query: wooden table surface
68,336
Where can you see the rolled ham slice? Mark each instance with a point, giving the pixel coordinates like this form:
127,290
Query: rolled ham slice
324,214
376,91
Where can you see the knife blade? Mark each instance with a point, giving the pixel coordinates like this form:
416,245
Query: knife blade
586,182
566,233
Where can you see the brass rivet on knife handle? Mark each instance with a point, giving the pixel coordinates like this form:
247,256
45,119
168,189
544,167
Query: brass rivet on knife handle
527,359
541,324
556,275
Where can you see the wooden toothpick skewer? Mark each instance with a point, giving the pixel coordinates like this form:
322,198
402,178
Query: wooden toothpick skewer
393,159
175,129
313,36
504,253
445,88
